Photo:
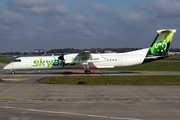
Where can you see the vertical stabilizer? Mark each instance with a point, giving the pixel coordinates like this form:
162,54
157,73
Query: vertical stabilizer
160,46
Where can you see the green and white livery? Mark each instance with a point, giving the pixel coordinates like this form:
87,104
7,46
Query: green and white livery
160,46
87,60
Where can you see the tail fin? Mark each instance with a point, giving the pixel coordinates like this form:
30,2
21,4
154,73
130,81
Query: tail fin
160,46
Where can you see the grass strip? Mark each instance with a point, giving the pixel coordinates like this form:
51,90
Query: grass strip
6,60
115,80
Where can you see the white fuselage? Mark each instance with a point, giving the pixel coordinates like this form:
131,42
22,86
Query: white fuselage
72,61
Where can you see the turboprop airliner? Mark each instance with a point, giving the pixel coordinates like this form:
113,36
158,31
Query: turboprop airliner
87,60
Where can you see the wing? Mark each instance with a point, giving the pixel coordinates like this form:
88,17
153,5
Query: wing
84,54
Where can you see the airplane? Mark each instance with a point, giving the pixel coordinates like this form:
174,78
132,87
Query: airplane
87,60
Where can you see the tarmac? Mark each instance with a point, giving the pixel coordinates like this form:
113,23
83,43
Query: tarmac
22,98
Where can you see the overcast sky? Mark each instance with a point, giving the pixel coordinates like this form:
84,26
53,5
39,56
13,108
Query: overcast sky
26,25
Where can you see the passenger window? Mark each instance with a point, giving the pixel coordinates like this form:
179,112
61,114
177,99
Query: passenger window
112,59
107,59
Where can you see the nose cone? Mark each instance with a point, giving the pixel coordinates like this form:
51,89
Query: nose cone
7,67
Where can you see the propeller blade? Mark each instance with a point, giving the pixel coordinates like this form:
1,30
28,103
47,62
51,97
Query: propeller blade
63,63
62,56
62,59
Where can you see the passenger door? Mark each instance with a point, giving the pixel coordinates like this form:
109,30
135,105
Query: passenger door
28,63
120,60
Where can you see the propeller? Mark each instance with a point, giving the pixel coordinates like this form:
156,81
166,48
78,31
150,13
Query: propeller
62,59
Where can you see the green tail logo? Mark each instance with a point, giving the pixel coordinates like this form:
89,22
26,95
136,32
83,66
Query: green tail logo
161,43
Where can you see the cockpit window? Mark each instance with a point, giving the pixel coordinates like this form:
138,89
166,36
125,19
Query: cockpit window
17,60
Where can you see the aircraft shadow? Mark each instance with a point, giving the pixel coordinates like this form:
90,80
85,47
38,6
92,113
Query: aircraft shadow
45,72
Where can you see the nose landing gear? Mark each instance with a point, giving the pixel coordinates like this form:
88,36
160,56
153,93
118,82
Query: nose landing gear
12,72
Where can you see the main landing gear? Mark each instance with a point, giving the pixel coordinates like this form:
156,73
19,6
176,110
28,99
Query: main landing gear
86,67
88,72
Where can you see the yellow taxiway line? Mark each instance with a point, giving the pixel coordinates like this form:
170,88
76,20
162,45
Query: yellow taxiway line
101,73
25,73
16,77
20,79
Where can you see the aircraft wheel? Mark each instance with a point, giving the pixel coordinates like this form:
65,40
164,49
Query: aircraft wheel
12,72
88,72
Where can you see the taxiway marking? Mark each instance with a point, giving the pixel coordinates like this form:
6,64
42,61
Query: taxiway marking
11,79
70,113
16,77
101,73
25,73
